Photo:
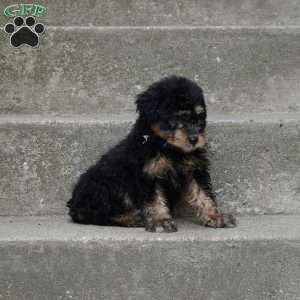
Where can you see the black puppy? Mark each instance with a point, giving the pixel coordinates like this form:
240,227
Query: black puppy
161,161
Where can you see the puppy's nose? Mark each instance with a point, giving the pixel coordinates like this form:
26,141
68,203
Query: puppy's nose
193,139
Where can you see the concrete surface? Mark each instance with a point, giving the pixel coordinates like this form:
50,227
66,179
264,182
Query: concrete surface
60,228
50,258
167,12
94,57
85,70
255,160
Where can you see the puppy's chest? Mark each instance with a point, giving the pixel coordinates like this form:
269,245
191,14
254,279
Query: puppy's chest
187,166
164,167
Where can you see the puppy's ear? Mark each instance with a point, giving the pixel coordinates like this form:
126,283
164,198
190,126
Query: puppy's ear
147,104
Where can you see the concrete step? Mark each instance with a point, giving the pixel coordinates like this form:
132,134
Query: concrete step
168,12
51,258
255,159
90,70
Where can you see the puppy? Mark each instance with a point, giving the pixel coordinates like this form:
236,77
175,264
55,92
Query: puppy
161,161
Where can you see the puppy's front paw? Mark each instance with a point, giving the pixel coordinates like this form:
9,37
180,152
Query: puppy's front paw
221,221
169,226
166,226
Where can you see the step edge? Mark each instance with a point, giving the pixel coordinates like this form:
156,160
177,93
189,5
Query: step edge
188,232
269,118
274,28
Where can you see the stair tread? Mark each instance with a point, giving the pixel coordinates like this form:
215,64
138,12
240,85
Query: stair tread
61,229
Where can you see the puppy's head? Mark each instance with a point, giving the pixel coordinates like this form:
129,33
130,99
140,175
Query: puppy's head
175,110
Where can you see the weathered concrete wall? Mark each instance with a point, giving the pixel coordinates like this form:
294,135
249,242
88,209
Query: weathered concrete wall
101,70
255,165
168,12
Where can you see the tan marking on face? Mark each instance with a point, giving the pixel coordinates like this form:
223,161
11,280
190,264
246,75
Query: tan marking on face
158,167
201,140
164,134
199,109
179,138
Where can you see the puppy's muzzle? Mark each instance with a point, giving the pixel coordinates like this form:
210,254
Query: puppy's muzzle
193,134
193,139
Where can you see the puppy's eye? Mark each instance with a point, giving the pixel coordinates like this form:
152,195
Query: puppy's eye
175,125
164,125
172,124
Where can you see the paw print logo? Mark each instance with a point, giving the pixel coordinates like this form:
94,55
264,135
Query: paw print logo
24,31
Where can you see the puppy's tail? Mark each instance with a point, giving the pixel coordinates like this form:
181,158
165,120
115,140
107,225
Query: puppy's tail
90,205
86,215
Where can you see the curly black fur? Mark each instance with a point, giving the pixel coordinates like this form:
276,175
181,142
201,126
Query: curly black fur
163,159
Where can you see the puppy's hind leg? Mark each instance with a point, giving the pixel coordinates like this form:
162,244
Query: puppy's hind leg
131,218
91,202
157,214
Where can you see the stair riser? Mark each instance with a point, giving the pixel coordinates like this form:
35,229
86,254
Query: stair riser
101,70
168,12
150,270
255,166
